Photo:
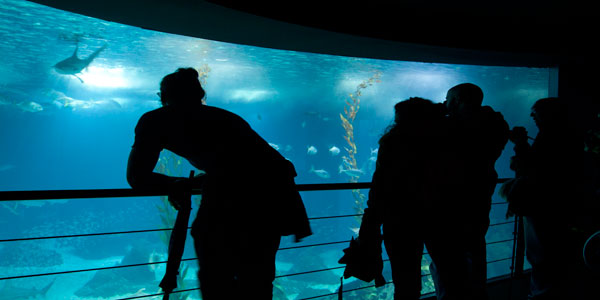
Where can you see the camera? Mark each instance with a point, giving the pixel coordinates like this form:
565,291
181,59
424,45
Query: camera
518,135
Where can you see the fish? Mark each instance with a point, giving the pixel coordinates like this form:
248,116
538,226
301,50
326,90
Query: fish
317,115
288,148
153,260
6,167
321,173
63,101
372,164
312,113
16,207
74,65
351,172
334,150
275,146
30,106
311,150
4,101
242,95
375,151
11,208
113,282
346,161
10,292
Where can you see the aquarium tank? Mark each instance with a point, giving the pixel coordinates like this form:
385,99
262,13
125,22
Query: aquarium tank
72,89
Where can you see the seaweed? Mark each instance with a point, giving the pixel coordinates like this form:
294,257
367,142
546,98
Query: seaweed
347,118
203,76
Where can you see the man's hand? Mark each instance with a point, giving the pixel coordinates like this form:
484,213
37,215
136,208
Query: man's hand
197,181
180,194
179,201
180,191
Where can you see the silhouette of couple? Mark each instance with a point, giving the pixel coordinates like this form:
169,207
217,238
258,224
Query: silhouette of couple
432,187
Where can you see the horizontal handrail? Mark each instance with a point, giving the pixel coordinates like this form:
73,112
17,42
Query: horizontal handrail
118,193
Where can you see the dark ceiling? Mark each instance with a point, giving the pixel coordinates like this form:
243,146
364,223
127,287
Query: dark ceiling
556,27
468,31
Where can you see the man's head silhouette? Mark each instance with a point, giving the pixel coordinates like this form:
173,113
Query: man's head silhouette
464,100
181,87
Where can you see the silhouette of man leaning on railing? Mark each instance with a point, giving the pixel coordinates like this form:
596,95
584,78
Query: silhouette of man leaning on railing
249,198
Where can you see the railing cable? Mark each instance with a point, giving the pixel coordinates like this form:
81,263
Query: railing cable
159,294
119,193
167,229
83,235
314,245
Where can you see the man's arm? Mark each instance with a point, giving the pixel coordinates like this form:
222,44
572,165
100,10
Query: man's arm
140,171
140,175
144,156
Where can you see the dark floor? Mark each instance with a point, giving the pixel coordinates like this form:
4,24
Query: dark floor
507,289
581,284
504,288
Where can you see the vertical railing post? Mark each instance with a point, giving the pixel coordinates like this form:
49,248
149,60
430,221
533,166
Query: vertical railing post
518,255
514,249
520,249
177,240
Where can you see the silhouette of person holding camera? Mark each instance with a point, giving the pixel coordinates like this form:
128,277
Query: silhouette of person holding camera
547,191
249,198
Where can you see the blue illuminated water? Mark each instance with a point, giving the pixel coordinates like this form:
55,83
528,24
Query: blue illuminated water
60,133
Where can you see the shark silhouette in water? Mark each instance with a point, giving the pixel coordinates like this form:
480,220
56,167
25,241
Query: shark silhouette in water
74,65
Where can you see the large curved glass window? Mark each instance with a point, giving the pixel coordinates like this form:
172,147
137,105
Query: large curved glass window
73,87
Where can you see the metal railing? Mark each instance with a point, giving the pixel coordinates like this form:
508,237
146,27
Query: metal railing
517,258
